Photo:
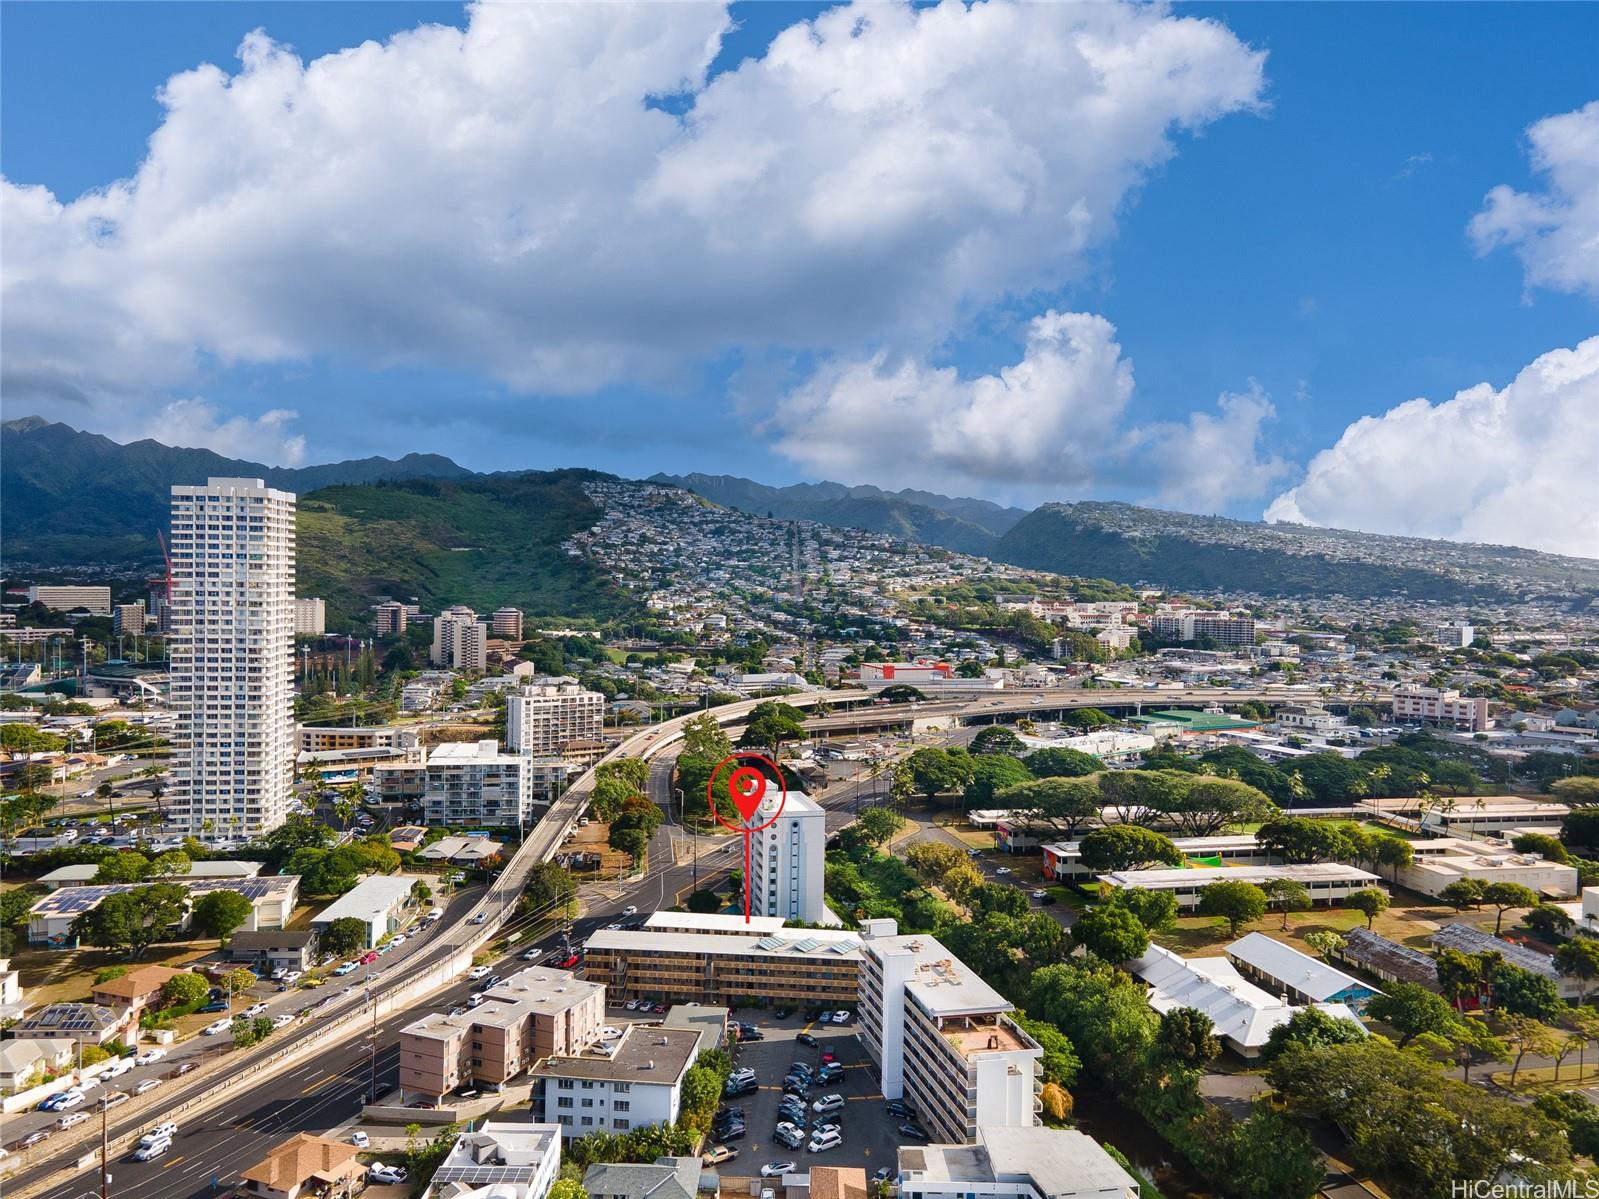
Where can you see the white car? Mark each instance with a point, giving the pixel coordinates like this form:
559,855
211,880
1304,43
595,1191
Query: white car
150,1152
630,910
1002,871
283,1021
611,1033
277,974
71,1118
823,1144
293,976
164,1131
400,939
88,1084
777,1169
148,1085
211,1030
1040,894
474,1000
480,918
841,1017
360,1140
149,1057
828,1103
120,1067
477,972
385,1173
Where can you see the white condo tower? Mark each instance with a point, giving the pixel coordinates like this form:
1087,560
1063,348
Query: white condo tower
232,647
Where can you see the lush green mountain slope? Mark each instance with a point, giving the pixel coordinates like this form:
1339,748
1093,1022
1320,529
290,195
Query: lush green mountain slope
1184,552
966,525
481,542
68,497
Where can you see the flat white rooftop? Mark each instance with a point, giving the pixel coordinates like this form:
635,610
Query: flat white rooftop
1316,872
823,943
942,984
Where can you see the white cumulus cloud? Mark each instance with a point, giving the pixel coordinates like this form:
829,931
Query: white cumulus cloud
1516,466
1052,424
269,438
1206,462
1555,233
506,200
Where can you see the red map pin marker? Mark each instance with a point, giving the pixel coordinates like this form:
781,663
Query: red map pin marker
746,787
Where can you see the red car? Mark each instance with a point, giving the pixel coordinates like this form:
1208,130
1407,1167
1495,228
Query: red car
369,957
568,963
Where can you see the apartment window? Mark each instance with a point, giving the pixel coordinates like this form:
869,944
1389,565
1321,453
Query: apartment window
564,1084
588,1103
622,1105
563,1102
621,1124
588,1121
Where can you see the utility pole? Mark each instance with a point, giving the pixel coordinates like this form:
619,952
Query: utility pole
105,1160
374,1048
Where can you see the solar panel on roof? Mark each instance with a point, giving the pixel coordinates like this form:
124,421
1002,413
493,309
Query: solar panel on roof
807,945
769,943
845,946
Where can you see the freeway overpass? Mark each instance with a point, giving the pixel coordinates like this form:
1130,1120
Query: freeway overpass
1046,702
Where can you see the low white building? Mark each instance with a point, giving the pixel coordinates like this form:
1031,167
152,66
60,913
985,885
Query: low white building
1063,860
1014,1163
1309,718
1242,1013
1327,882
1436,706
272,901
1445,860
1297,976
379,901
502,1159
639,1083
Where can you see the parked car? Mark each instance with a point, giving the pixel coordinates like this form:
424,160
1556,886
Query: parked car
898,1107
718,1155
216,1005
211,1030
914,1131
71,1118
147,1086
114,1099
1003,871
568,962
806,1039
382,1172
149,1057
255,1009
828,1103
777,1169
33,1138
119,1067
184,1067
283,1021
346,968
823,1144
360,1140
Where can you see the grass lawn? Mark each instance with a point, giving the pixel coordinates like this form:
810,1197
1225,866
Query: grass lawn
972,838
1208,935
67,976
1534,1081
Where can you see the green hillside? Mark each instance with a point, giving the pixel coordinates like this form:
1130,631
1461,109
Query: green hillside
484,542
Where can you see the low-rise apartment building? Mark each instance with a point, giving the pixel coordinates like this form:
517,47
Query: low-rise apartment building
722,963
315,739
942,1037
1015,1163
639,1083
1433,705
532,1015
473,783
544,714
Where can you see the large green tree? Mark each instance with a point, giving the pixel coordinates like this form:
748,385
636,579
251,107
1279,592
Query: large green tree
1112,932
935,772
1410,1010
1127,847
1238,903
1065,805
132,920
218,913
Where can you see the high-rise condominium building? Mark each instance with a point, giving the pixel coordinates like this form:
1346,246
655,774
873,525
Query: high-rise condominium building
232,643
507,623
388,620
786,859
127,619
545,714
310,617
460,642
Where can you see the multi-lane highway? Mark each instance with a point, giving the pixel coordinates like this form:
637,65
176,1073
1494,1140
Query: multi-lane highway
445,942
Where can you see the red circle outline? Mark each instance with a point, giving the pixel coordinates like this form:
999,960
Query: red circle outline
739,760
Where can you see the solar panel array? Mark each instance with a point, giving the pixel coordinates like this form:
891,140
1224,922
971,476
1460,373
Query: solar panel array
807,945
770,943
481,1176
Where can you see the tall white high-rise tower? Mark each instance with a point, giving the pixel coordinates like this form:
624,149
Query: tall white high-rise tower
232,647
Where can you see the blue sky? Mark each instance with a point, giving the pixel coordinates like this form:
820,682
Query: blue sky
1307,246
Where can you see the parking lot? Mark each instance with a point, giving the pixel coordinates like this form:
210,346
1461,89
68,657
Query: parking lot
870,1134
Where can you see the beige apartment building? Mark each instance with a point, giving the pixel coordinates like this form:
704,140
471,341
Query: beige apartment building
531,1016
721,960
